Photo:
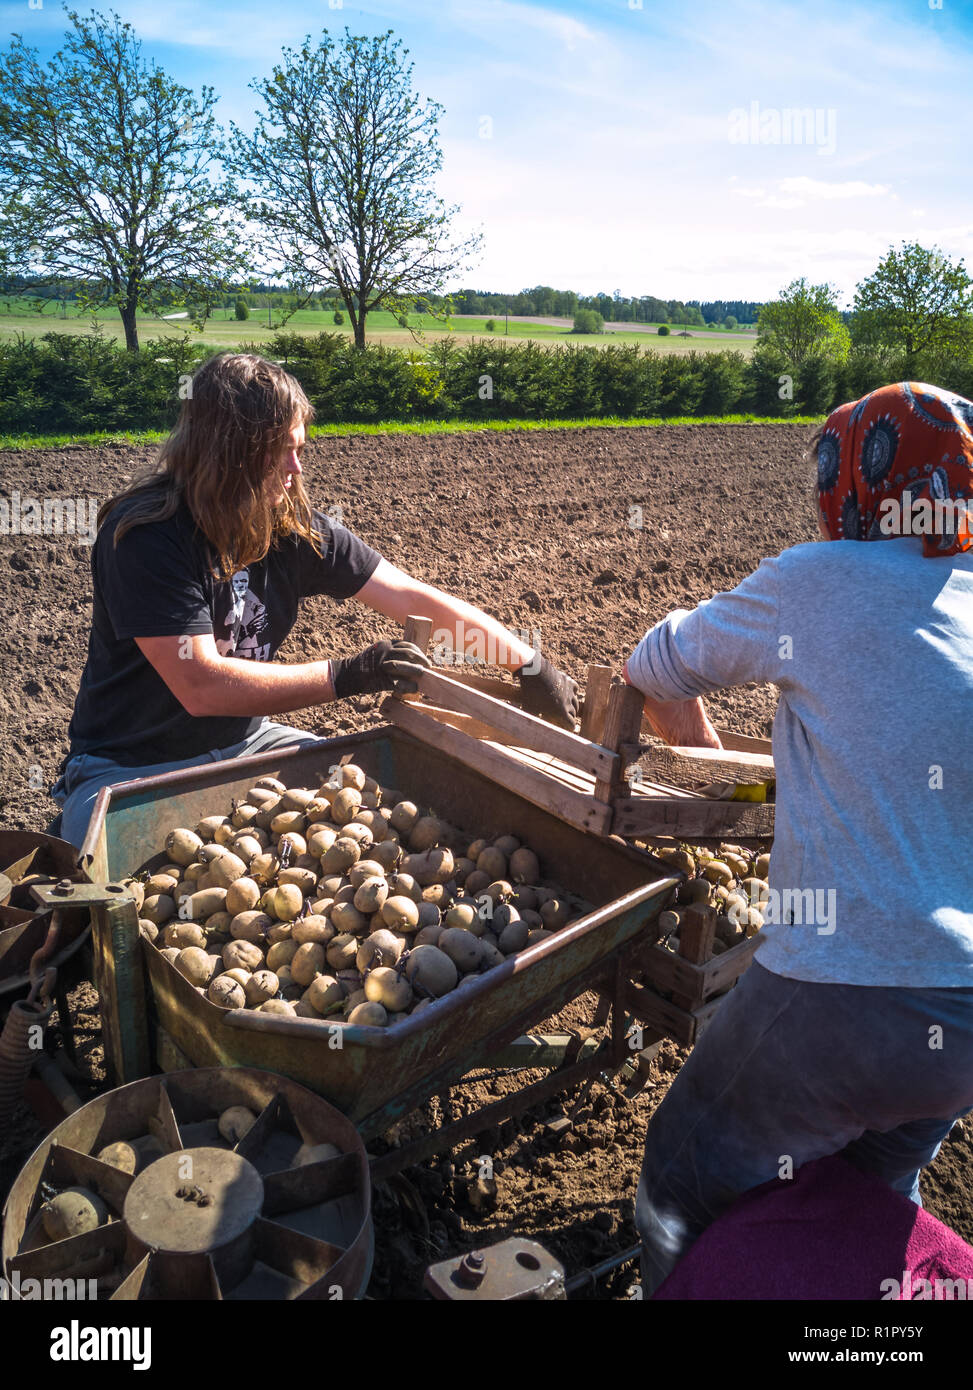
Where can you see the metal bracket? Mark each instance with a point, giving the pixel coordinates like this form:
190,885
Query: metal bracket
64,893
511,1269
118,970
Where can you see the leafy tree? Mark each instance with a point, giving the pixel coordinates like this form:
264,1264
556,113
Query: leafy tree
491,326
729,322
338,316
341,163
663,330
804,321
242,309
588,321
112,160
916,300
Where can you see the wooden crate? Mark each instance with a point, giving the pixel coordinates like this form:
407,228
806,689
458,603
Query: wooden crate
613,778
679,994
607,779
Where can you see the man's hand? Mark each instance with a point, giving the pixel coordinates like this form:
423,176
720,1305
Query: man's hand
382,666
550,694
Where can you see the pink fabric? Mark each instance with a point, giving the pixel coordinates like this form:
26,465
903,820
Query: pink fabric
831,1232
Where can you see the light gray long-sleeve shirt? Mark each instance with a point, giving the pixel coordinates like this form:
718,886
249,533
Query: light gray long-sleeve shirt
871,647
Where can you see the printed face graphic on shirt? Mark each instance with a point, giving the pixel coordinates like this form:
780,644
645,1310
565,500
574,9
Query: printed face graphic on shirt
245,622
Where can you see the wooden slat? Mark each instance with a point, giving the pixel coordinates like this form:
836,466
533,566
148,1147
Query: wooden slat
650,1008
475,728
583,780
690,817
741,743
555,767
732,743
529,731
418,631
489,685
697,932
680,765
622,723
595,708
538,787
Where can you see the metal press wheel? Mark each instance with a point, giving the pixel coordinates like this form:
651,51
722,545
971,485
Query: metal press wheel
201,1218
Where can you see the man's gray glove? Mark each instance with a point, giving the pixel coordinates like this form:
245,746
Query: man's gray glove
550,694
382,666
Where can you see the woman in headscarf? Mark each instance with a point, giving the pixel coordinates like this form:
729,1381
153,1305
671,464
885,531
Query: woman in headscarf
852,1030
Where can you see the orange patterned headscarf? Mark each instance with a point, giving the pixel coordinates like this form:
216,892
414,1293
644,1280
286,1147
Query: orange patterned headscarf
901,444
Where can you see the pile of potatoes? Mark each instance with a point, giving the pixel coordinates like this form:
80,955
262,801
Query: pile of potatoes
731,879
346,903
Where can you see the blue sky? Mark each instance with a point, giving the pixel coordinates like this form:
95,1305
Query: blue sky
649,146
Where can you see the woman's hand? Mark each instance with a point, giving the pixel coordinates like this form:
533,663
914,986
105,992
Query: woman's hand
681,723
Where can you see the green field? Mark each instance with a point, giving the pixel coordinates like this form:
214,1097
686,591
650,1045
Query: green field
136,437
223,329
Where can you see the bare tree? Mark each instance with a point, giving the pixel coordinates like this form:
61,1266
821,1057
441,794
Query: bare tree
341,163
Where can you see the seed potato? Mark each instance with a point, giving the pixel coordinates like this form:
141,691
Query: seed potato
183,934
341,951
250,926
324,993
400,913
72,1212
158,909
183,845
369,1015
235,1123
261,986
425,833
431,970
382,947
227,993
462,947
245,954
385,986
314,927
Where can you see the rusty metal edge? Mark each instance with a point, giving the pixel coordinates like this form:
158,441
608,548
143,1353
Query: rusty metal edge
454,1000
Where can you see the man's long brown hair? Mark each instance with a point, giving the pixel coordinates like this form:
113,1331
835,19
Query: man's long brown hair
230,436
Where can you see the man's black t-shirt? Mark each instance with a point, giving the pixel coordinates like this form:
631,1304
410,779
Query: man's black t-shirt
158,582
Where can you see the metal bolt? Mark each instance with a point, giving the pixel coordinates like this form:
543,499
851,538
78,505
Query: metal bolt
472,1268
63,887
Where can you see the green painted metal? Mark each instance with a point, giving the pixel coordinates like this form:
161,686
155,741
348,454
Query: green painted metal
375,1076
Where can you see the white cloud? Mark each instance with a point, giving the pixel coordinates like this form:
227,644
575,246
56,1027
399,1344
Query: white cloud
798,192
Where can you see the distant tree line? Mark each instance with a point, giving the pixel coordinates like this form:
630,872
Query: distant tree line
544,302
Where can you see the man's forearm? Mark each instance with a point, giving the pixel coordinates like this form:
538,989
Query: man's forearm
458,624
470,627
230,686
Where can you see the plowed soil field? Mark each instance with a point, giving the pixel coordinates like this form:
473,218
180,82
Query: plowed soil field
587,537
